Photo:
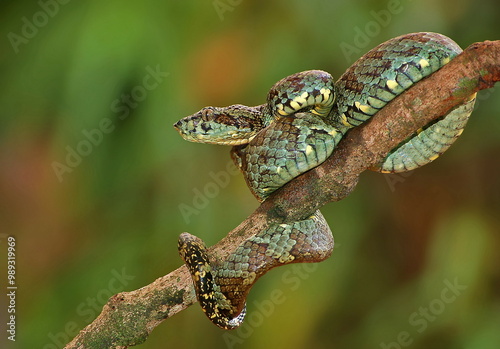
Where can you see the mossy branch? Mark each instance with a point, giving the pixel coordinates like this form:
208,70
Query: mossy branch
129,317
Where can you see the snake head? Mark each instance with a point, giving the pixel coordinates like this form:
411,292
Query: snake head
233,125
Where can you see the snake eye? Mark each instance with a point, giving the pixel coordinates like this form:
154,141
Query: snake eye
207,114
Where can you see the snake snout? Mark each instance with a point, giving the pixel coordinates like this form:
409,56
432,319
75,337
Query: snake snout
188,128
180,126
177,126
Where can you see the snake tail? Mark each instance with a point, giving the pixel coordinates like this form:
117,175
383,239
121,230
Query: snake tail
222,288
195,255
429,143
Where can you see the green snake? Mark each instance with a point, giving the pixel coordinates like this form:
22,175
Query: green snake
272,144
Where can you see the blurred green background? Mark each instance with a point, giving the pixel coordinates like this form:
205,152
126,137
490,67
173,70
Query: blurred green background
96,185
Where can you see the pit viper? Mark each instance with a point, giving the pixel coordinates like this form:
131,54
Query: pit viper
274,143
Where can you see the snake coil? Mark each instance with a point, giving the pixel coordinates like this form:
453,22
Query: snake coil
272,144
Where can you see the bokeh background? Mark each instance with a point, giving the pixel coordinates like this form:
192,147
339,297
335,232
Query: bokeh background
96,185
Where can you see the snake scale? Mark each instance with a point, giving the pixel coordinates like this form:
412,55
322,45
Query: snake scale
272,144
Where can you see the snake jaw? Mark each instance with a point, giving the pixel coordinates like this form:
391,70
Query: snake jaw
209,138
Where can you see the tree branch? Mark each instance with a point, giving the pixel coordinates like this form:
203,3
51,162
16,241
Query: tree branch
128,317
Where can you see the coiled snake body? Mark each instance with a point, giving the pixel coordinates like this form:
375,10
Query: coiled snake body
273,144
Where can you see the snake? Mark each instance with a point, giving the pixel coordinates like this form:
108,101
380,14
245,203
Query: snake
304,118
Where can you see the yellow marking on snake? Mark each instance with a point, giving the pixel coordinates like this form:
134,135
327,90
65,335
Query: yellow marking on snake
325,93
392,84
362,107
343,118
434,157
320,97
445,60
309,150
301,100
423,63
281,110
295,105
365,109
